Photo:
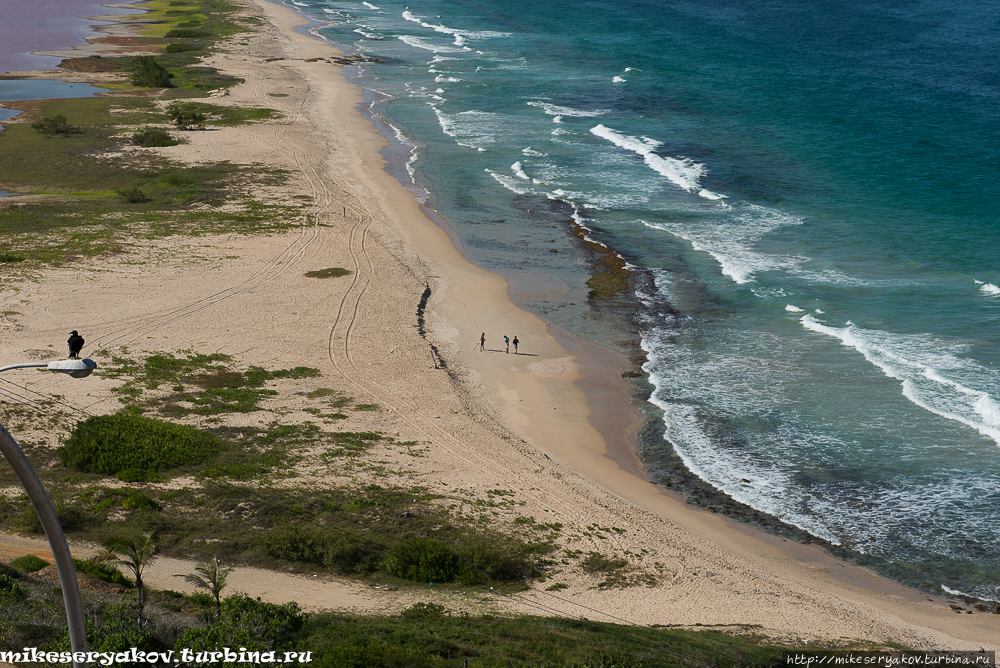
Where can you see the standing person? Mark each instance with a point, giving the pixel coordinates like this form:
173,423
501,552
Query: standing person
515,342
482,342
506,344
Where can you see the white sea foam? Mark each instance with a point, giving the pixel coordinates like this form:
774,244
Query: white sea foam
509,182
473,128
990,289
368,35
370,5
682,172
519,171
422,43
443,79
794,309
771,488
460,36
927,372
531,153
617,79
730,240
820,311
559,111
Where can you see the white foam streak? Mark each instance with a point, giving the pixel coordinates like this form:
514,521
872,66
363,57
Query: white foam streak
509,183
559,111
793,309
461,36
519,171
990,289
730,241
682,172
421,43
370,5
917,363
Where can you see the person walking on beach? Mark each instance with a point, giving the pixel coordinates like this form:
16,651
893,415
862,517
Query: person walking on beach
506,344
515,342
482,342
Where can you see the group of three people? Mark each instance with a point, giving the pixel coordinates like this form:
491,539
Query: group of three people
506,343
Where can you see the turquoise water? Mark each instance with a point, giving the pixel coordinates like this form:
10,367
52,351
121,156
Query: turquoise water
813,187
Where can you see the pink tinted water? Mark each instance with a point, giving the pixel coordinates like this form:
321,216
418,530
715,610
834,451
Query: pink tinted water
42,25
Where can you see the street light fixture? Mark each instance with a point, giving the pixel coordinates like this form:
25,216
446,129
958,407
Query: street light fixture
77,368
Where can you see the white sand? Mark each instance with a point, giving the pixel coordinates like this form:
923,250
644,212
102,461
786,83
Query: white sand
488,421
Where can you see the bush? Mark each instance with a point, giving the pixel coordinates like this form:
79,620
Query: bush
138,475
139,502
295,544
11,257
424,611
186,115
115,443
153,137
423,560
29,563
57,125
132,195
103,572
183,33
249,623
179,48
148,73
9,588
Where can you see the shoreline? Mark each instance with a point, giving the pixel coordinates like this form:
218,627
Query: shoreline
630,473
575,437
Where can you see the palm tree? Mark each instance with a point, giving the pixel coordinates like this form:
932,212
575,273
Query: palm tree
212,578
134,555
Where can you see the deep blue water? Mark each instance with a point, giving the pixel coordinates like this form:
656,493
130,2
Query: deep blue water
814,187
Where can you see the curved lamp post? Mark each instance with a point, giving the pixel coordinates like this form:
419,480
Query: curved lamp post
77,368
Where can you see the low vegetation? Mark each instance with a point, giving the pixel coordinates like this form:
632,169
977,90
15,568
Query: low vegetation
56,125
149,137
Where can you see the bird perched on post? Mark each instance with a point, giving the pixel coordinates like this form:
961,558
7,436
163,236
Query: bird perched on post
75,342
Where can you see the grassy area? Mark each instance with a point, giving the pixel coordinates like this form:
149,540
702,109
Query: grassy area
426,635
82,177
94,198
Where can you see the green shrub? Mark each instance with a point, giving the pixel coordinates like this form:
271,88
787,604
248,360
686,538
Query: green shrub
139,502
487,557
186,115
354,553
179,48
423,560
147,137
202,598
295,544
148,73
57,125
424,611
27,520
185,33
113,443
10,257
103,572
29,563
138,475
9,588
249,623
132,195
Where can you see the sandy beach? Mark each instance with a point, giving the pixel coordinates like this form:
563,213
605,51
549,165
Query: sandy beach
554,423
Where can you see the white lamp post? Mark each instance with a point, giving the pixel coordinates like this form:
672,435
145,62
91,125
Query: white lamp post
78,368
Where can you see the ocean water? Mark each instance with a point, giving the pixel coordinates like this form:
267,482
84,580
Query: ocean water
813,186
